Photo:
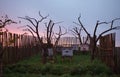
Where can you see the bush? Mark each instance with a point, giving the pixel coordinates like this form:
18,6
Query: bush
57,70
80,67
97,69
78,70
46,68
66,75
7,70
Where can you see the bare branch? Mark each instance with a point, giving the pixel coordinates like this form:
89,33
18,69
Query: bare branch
82,26
106,32
86,40
99,23
111,27
59,35
60,31
28,19
31,28
35,24
42,18
49,32
31,33
114,21
45,24
74,33
96,28
77,32
7,21
51,29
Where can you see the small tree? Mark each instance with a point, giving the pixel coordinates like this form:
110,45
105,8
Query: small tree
4,21
95,38
77,33
34,29
57,37
50,33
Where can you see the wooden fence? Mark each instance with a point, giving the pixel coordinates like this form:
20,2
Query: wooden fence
107,50
117,59
17,47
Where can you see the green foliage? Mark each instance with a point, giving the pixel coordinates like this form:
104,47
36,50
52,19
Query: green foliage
46,68
81,66
57,70
66,75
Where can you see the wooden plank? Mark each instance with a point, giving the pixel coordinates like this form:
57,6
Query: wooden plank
107,46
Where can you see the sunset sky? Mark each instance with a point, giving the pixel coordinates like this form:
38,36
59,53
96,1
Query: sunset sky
64,10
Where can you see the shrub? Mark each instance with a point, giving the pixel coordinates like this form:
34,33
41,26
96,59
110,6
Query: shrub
57,70
97,69
7,70
46,68
78,70
66,75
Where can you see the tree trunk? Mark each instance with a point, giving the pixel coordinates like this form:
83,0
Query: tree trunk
55,54
44,56
93,52
44,53
93,48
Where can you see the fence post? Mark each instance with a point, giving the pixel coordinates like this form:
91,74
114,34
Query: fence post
1,62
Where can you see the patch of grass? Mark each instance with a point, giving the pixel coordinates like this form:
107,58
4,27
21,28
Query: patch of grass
81,66
31,61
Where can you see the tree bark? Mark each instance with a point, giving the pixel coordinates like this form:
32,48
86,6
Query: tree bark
93,52
93,48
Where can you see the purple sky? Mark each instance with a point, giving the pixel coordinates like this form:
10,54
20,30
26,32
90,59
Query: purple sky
65,10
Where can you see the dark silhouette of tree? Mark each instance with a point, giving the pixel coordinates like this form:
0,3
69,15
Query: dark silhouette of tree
34,27
50,33
4,21
57,38
95,38
34,30
59,35
76,31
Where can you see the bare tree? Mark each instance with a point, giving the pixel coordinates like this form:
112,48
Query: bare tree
58,36
4,21
50,31
95,38
34,27
57,39
34,30
77,33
